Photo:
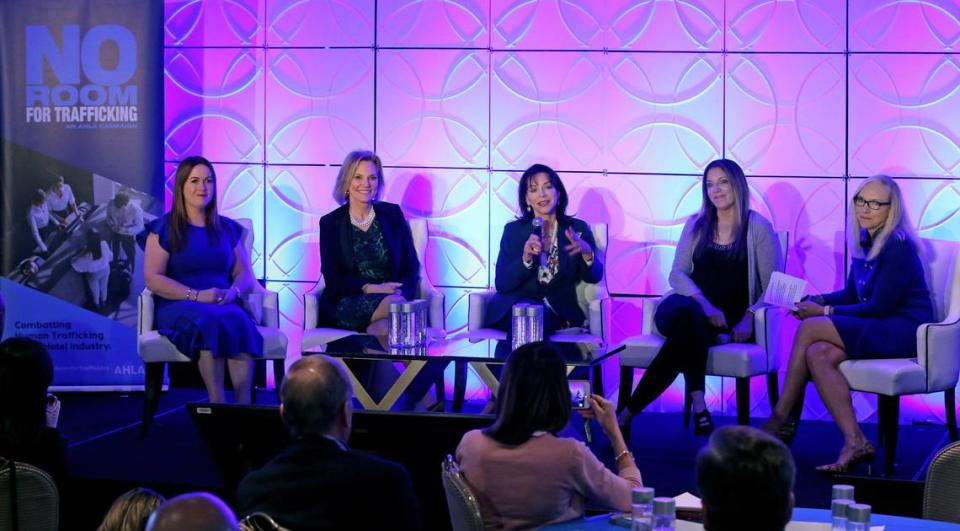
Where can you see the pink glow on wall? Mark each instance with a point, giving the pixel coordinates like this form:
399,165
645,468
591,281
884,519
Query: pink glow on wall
628,100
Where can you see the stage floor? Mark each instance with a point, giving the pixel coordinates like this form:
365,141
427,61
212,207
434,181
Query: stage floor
108,455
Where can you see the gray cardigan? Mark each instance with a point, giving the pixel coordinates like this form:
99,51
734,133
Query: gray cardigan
763,258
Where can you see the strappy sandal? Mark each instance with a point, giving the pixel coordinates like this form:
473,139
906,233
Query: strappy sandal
864,452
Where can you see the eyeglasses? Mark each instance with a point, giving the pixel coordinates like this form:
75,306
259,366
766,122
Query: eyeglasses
872,204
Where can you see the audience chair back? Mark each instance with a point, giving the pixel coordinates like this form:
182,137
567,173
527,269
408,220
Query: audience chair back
941,490
260,522
37,503
463,505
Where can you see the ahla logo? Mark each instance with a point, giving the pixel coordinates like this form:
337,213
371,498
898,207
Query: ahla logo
99,85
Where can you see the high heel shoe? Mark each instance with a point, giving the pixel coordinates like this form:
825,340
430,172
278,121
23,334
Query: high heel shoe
864,452
702,423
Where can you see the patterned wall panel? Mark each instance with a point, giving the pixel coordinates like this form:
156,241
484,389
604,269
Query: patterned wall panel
906,26
433,105
214,104
785,113
296,198
291,313
547,106
611,24
213,22
595,111
457,23
663,112
933,206
449,200
902,115
319,104
812,212
786,25
320,23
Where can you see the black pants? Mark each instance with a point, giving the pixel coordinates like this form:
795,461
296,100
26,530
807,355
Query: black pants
129,245
688,336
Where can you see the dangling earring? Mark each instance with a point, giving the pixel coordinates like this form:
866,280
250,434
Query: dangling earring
529,208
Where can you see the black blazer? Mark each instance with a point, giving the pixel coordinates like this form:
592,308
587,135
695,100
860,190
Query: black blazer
515,282
337,264
314,484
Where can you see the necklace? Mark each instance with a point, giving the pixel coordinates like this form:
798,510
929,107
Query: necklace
364,223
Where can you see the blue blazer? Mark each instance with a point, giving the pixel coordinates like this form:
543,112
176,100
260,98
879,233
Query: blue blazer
337,264
515,282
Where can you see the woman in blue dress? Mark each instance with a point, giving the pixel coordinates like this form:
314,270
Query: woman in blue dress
875,315
198,268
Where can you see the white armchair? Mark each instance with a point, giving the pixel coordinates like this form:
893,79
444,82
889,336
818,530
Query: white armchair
156,350
741,361
937,365
315,338
593,298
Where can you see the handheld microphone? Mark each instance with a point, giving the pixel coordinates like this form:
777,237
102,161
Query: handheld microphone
538,227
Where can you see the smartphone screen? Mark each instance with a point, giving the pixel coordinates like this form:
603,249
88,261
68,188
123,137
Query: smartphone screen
580,394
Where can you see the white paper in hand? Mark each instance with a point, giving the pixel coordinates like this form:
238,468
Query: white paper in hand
784,290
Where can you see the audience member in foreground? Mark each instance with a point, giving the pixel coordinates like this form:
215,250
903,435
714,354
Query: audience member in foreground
131,510
746,478
196,511
875,315
26,371
318,482
198,267
724,260
523,474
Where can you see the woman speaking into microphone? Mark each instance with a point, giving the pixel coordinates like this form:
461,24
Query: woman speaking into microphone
543,255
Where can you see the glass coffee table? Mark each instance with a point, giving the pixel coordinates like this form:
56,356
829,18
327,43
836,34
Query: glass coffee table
423,367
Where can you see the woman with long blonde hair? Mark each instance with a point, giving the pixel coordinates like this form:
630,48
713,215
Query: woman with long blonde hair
875,315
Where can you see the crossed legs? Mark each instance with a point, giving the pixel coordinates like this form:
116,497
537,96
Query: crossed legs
816,354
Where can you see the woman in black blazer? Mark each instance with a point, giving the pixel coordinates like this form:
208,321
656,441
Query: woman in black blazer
543,266
367,255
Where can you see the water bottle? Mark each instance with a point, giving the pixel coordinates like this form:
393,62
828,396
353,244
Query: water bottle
842,492
424,318
395,332
518,325
664,514
839,509
642,509
534,323
858,517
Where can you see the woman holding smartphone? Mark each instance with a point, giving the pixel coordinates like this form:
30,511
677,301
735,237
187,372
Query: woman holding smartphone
522,473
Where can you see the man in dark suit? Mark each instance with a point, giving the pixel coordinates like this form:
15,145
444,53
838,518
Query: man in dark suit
318,482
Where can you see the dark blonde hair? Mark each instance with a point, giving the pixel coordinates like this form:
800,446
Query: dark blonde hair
897,224
349,167
131,510
178,214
